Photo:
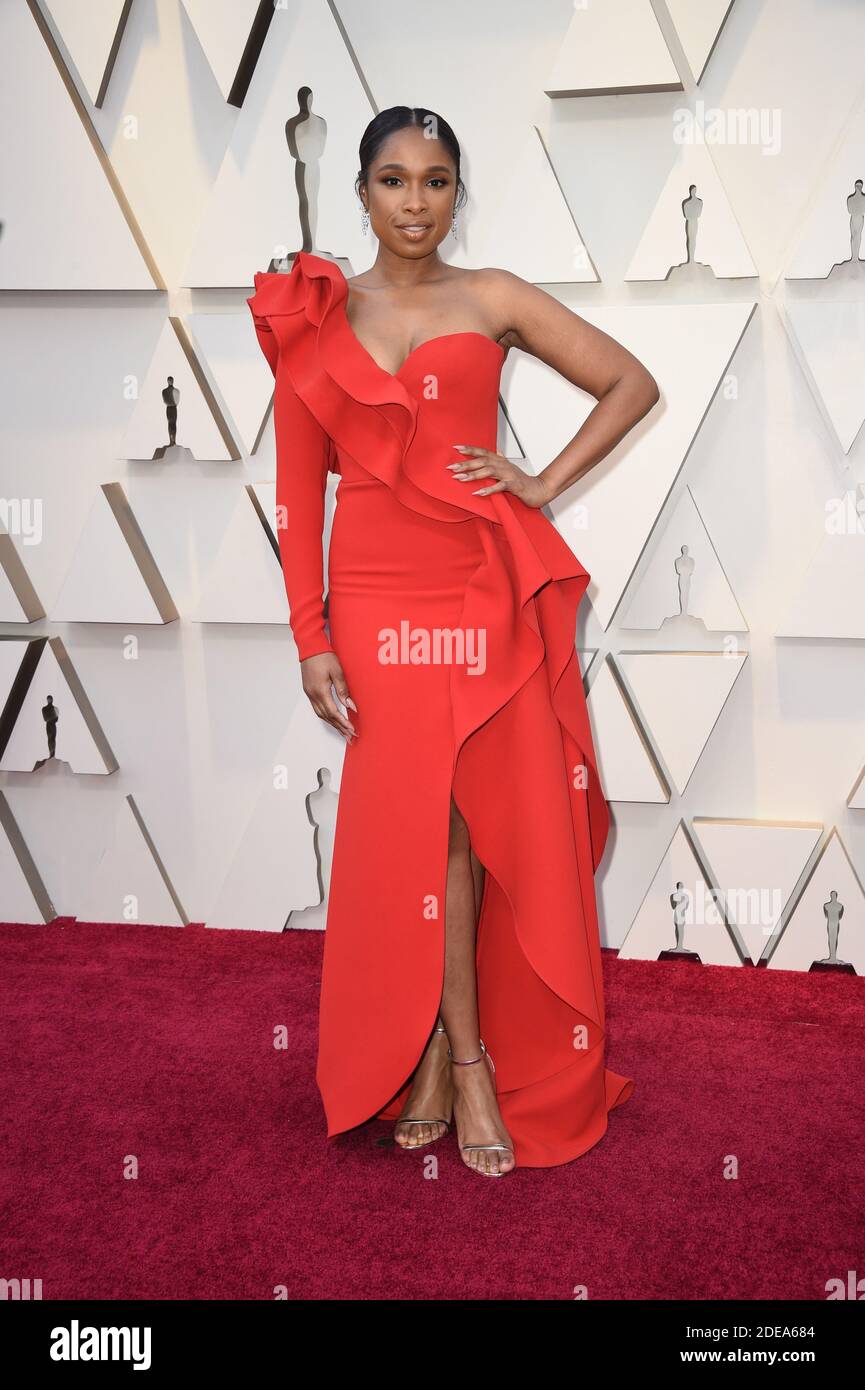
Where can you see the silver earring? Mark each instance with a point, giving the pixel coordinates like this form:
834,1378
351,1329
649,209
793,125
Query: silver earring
364,221
454,226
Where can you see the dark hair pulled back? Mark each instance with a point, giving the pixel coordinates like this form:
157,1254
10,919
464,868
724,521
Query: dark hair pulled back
396,118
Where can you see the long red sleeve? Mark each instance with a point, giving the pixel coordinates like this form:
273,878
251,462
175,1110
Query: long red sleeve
302,454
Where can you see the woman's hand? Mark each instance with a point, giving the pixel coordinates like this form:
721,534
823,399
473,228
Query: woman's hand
481,463
318,674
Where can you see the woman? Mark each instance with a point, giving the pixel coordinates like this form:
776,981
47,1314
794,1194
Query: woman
461,922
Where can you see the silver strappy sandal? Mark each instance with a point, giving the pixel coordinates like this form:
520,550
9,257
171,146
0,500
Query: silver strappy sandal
489,1148
425,1119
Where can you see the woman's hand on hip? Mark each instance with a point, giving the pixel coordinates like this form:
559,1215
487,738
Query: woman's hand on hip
480,464
319,673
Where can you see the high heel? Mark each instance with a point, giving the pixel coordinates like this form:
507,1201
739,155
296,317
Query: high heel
425,1119
489,1148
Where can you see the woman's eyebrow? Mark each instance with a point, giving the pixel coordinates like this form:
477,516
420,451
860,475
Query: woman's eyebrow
429,169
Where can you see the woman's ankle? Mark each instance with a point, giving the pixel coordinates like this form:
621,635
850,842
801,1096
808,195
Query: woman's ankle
466,1051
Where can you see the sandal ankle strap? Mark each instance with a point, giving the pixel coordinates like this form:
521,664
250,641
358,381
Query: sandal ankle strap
470,1062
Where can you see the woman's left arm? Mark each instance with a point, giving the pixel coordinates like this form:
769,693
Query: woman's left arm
624,389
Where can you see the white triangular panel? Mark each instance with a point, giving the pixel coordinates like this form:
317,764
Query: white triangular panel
91,31
48,239
237,368
826,239
756,866
253,211
687,348
805,939
127,885
856,799
18,902
183,518
614,46
275,863
197,429
586,656
244,583
19,602
719,243
75,741
13,651
534,234
829,602
653,929
104,584
699,24
830,338
684,588
223,27
65,838
680,696
625,765
11,610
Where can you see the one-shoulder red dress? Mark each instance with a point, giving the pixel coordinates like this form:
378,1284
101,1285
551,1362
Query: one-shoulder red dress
454,619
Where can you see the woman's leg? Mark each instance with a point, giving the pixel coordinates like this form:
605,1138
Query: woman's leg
432,1088
436,1083
474,1097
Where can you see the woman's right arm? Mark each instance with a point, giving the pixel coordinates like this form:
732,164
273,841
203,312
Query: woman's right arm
302,454
302,451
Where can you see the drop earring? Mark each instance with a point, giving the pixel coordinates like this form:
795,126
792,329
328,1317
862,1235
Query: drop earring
454,227
364,221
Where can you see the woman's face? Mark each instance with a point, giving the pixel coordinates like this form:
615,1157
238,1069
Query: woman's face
410,193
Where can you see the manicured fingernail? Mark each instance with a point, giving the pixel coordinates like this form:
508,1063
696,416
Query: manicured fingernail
350,701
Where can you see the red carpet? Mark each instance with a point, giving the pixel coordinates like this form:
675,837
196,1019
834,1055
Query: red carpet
158,1043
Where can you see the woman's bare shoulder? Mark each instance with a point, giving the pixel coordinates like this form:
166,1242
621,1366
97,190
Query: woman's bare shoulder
499,294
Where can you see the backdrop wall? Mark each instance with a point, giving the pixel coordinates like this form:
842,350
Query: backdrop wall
143,594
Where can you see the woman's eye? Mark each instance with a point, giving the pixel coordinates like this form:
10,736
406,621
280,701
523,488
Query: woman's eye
394,178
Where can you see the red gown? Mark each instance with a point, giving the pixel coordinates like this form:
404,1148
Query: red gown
499,722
